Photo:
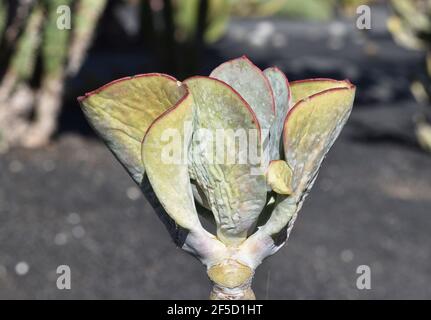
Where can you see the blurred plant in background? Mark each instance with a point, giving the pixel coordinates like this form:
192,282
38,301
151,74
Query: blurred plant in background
177,30
410,26
297,9
36,57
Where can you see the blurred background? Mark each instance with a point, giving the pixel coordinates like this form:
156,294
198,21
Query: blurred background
64,200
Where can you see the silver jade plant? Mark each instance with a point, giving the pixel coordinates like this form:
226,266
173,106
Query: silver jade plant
240,149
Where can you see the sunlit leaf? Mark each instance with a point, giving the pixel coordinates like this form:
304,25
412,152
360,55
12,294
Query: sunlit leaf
311,128
281,92
250,82
231,180
122,111
305,88
164,152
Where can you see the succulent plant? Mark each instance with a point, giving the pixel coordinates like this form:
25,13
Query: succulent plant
242,144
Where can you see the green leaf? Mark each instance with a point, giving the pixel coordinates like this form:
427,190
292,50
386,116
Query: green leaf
121,112
282,97
304,88
279,177
165,154
311,128
232,182
250,82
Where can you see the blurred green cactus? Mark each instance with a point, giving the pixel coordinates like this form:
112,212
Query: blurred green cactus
30,99
186,17
411,23
410,26
296,9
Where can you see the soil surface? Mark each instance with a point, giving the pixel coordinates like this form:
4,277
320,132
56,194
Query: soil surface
72,204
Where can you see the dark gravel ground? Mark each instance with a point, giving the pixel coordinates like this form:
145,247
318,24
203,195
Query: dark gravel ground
71,203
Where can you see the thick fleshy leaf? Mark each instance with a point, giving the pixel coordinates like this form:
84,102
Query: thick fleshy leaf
311,128
165,154
122,111
304,88
254,87
250,82
165,151
223,155
279,177
282,97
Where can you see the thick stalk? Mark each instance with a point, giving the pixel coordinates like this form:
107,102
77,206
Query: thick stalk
231,281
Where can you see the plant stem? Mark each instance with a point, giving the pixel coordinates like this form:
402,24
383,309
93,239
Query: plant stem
232,281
